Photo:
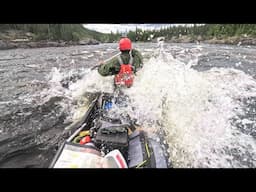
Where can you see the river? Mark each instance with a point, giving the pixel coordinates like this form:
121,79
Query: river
203,96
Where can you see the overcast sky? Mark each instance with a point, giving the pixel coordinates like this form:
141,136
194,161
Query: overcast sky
107,28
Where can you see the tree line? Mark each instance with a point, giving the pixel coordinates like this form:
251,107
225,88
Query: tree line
67,32
206,31
76,32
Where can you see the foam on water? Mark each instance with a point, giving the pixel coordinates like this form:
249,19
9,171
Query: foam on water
196,109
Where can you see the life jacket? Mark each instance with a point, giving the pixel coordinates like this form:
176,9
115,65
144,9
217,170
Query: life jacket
125,76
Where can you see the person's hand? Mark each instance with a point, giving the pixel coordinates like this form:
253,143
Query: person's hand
101,62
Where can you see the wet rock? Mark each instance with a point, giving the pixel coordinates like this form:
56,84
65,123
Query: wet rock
5,45
88,42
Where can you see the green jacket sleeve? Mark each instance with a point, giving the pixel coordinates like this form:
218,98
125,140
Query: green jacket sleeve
138,60
111,67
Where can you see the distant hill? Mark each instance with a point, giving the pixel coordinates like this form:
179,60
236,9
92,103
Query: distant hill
49,35
35,32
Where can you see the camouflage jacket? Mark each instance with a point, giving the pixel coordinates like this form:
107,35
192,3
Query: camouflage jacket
112,67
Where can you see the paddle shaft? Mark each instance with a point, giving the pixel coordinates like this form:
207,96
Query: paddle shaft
94,67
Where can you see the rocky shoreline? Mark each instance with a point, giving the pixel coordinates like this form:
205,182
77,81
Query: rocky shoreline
235,40
24,43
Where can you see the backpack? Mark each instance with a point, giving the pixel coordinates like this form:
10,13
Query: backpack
125,76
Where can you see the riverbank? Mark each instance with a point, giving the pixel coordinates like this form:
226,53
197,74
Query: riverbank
12,39
27,42
234,40
23,43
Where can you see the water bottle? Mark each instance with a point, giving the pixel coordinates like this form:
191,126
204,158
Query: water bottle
108,105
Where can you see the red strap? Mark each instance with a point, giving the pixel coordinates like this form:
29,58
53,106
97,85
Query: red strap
119,159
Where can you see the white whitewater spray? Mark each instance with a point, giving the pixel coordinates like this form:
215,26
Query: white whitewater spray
196,109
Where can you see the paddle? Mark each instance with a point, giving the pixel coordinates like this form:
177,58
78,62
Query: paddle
65,82
96,66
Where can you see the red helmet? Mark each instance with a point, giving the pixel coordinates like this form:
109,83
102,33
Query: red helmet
125,44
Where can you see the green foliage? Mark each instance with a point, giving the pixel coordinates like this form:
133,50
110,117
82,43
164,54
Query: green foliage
67,32
76,32
204,31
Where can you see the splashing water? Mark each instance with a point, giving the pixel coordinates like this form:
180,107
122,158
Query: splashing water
92,81
196,111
